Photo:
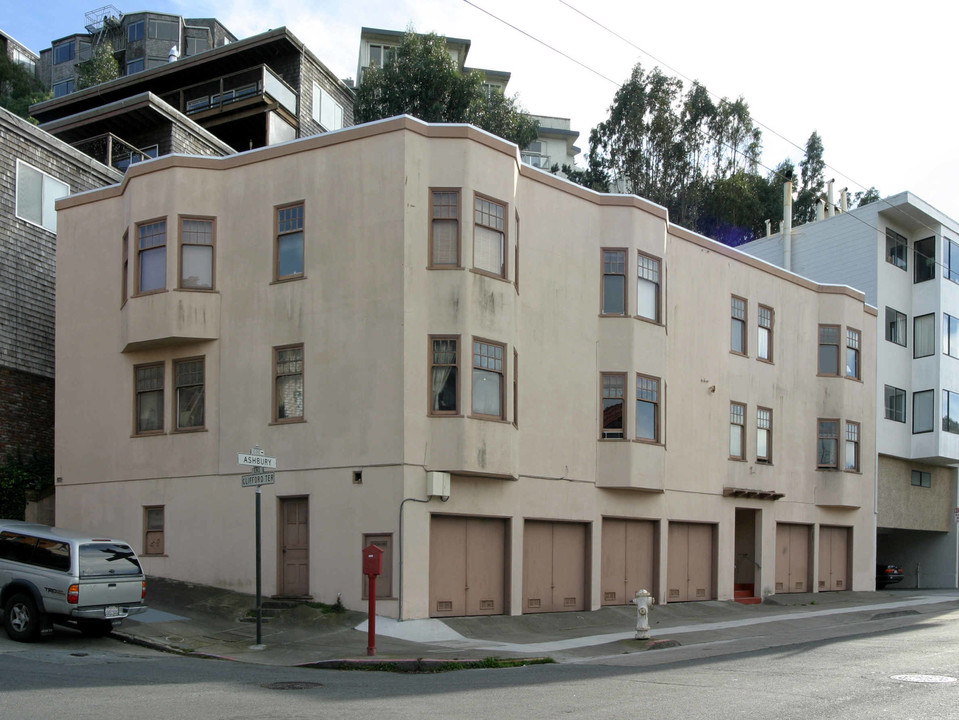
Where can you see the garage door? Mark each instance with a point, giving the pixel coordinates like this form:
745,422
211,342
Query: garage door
467,566
833,558
627,559
792,558
554,566
689,571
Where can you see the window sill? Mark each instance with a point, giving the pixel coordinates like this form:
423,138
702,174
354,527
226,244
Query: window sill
196,290
489,418
614,315
444,415
653,443
737,459
762,463
765,361
650,321
154,555
828,375
445,267
293,278
739,354
491,276
291,421
148,293
828,469
188,431
852,472
155,433
854,379
612,440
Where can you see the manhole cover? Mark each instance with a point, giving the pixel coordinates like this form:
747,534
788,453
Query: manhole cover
291,685
924,678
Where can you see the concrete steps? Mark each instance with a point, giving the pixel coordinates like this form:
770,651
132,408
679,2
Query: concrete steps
743,593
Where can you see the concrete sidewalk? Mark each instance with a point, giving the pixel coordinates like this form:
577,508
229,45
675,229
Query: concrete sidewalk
202,620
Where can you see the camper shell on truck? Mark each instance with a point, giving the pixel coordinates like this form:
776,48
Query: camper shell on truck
51,575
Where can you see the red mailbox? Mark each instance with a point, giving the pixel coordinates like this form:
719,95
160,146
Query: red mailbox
372,561
372,566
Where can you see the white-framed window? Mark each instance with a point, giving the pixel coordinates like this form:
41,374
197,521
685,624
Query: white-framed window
647,287
381,55
326,111
37,194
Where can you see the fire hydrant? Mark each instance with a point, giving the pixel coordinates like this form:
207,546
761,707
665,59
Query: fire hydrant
644,603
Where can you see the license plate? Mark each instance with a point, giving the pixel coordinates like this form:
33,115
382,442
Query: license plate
111,611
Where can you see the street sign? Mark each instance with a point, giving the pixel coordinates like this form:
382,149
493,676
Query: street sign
258,479
255,460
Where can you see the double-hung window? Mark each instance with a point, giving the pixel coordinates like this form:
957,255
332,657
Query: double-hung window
614,282
489,236
852,446
764,435
189,382
895,327
895,403
648,287
827,448
444,228
149,398
289,242
853,339
648,409
896,246
764,341
489,371
288,383
153,530
923,335
829,349
151,256
923,411
950,412
37,194
737,332
737,431
444,375
614,406
196,253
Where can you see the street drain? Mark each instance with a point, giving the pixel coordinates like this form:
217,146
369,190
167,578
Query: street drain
924,678
291,685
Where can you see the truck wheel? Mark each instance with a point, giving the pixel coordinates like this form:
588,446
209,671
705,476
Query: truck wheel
96,628
21,618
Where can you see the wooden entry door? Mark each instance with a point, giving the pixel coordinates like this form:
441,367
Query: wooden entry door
294,560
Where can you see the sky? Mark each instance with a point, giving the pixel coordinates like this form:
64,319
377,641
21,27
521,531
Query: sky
875,80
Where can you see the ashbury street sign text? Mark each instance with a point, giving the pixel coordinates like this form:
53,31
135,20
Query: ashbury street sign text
260,461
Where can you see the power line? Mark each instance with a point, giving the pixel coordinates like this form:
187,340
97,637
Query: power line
772,171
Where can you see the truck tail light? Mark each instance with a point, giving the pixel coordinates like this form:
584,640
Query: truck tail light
73,594
143,591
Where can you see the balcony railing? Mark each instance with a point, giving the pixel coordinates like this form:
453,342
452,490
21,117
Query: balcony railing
537,160
111,150
226,90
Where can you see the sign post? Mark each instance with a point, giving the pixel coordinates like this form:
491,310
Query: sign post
258,460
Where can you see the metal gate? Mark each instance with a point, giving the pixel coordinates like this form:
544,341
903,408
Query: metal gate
554,566
689,572
628,559
792,558
467,566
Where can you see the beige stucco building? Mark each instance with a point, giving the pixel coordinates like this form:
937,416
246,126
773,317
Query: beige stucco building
532,396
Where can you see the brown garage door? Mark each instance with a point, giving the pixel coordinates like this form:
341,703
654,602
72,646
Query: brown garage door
792,558
627,559
833,558
467,566
690,562
554,566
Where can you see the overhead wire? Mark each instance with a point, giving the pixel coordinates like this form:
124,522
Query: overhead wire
774,172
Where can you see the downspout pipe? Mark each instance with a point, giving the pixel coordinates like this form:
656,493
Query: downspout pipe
787,225
399,609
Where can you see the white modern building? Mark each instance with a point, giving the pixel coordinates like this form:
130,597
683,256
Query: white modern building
904,255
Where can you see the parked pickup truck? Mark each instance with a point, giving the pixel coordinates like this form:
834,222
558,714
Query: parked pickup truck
51,575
